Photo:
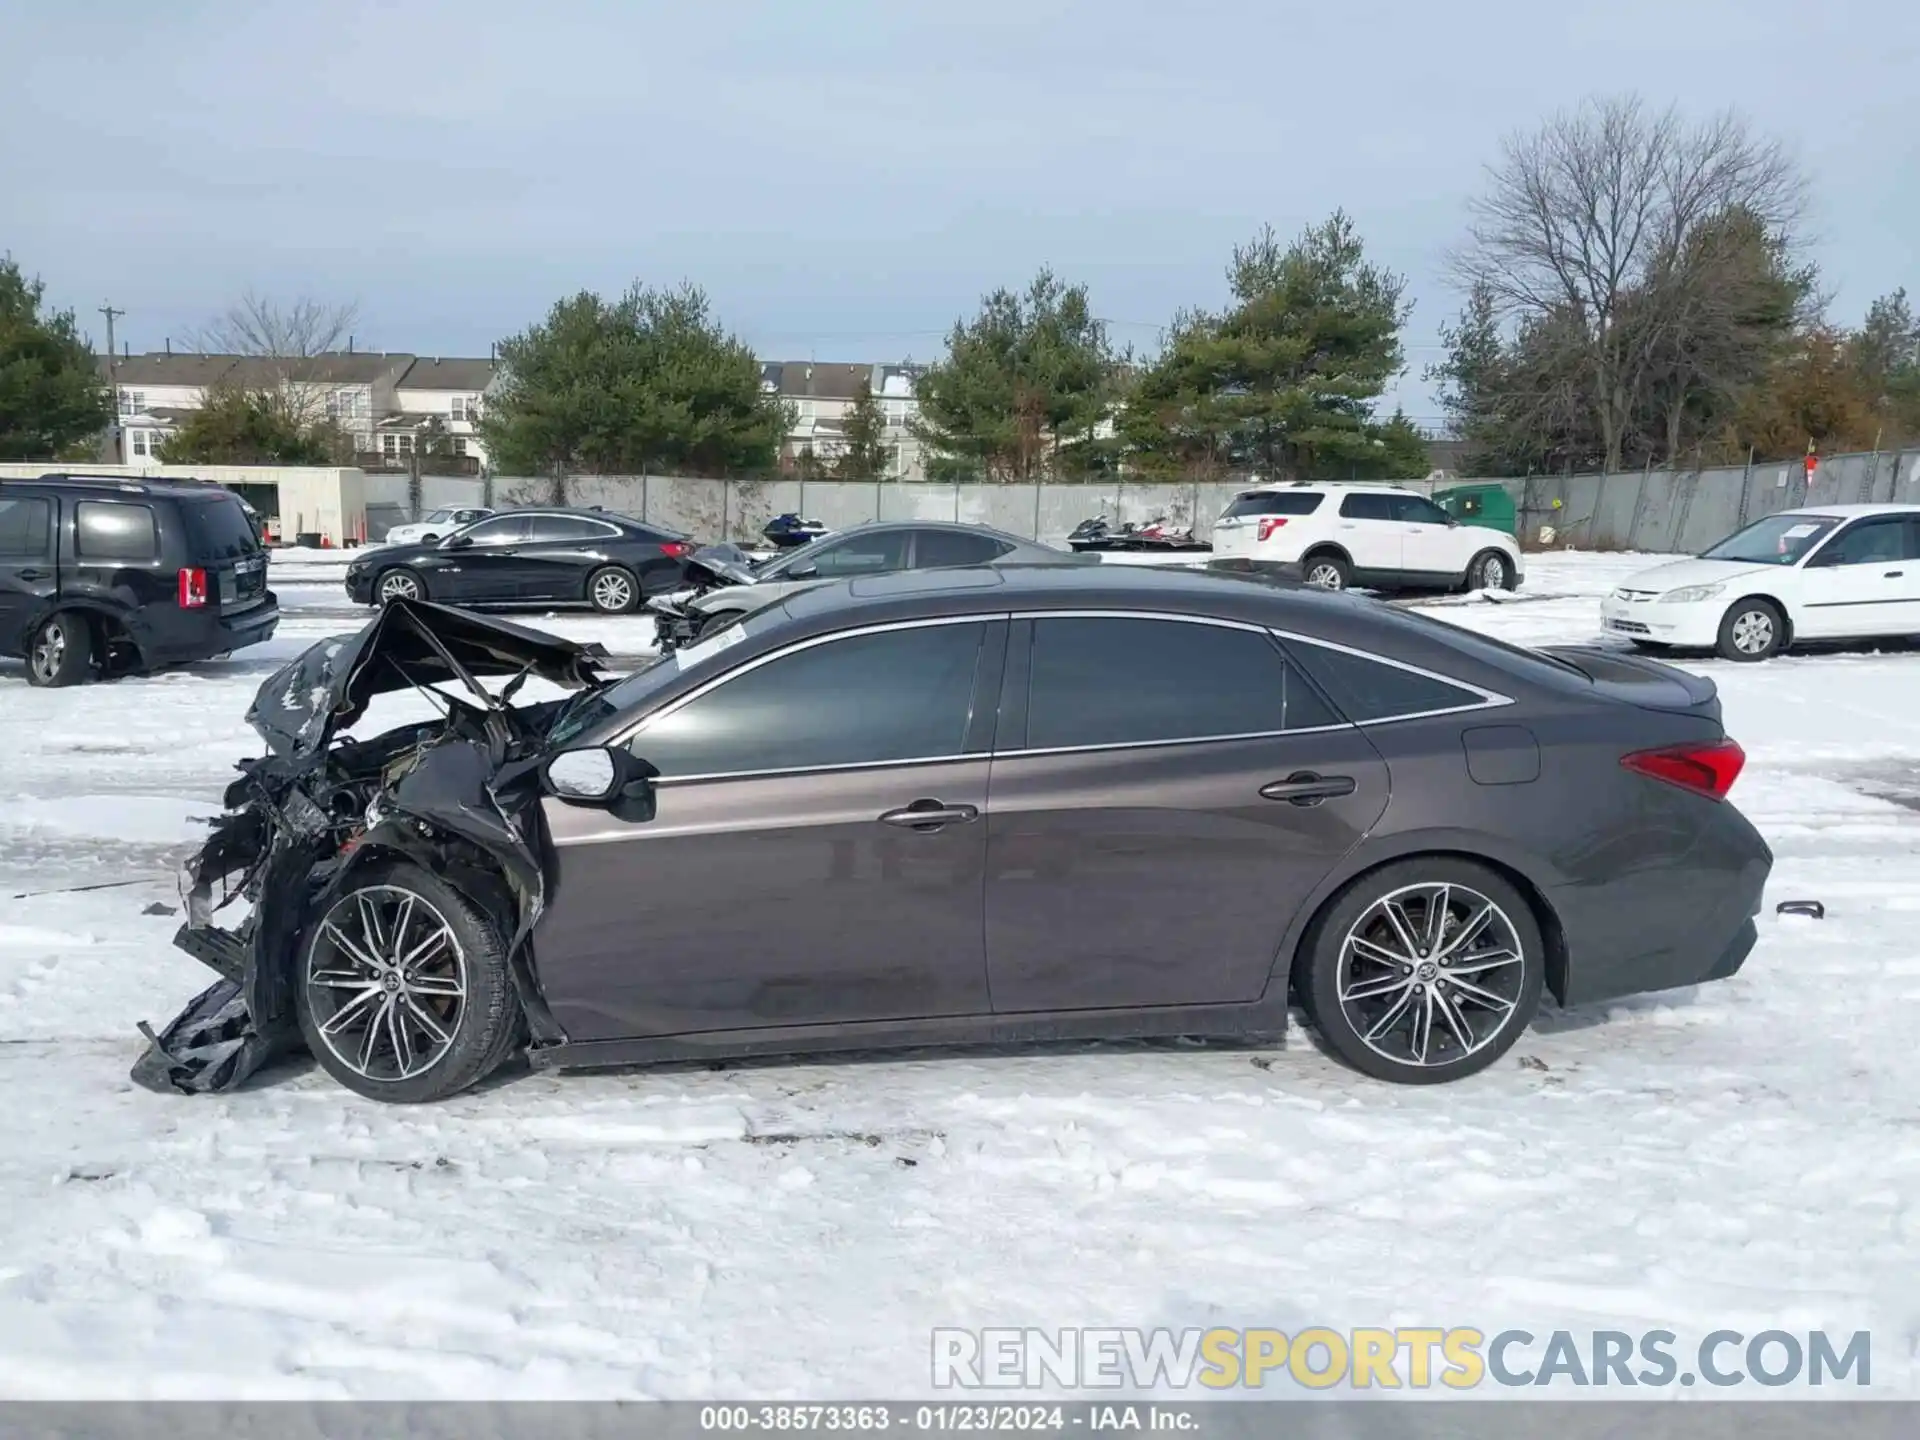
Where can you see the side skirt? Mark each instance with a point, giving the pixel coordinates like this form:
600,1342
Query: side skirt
1261,1018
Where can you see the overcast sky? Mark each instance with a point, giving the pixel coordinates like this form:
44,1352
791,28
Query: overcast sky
847,178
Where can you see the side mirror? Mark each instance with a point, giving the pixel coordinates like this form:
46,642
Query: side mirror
456,542
596,776
803,572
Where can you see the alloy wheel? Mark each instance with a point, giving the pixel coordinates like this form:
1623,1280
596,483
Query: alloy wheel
399,586
1325,575
1431,974
1493,573
1752,632
49,650
386,983
612,591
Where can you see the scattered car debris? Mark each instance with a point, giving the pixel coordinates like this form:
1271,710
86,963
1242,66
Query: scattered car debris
1812,909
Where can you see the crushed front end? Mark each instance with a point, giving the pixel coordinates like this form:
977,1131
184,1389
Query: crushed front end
457,795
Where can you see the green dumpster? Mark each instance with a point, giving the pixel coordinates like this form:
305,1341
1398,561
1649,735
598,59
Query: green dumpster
1487,505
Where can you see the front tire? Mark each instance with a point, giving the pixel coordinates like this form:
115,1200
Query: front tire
1424,971
60,652
393,585
1326,571
613,590
403,990
1750,631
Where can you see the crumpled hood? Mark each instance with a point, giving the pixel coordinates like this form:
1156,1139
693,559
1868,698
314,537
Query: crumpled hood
724,562
410,642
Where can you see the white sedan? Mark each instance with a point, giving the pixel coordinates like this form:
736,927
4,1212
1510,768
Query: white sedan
439,523
1832,572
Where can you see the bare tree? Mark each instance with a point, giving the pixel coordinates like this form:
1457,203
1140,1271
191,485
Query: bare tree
283,343
1583,216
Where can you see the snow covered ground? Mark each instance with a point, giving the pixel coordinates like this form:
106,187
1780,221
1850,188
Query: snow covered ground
1745,1156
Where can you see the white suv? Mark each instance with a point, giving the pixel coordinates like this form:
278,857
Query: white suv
1376,537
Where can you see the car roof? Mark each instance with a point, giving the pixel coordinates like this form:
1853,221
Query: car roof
987,589
1851,512
962,527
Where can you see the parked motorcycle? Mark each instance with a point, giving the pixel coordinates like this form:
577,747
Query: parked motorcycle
789,530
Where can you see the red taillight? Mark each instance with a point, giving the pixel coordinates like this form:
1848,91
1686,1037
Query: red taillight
674,549
193,589
1708,770
1270,523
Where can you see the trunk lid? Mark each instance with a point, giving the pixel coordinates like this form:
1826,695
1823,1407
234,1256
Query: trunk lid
1642,682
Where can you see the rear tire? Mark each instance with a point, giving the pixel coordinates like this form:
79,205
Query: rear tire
1424,971
1751,630
1326,571
450,1017
1490,570
60,652
613,590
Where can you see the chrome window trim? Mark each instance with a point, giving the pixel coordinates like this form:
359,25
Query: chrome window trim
626,737
1489,699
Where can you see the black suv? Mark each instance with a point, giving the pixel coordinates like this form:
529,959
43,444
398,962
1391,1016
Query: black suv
110,576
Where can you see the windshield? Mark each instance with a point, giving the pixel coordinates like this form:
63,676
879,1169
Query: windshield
800,554
1776,540
438,517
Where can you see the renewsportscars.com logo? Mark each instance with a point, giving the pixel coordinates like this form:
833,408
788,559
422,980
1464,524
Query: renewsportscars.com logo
1458,1358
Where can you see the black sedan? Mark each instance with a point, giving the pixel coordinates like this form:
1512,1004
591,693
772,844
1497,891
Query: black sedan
529,557
965,805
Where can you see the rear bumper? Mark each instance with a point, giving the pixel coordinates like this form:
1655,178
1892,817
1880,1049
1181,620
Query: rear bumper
187,635
1252,565
1684,925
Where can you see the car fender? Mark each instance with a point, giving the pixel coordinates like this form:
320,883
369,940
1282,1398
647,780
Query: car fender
1538,882
127,620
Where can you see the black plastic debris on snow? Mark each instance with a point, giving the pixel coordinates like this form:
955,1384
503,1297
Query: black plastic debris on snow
456,795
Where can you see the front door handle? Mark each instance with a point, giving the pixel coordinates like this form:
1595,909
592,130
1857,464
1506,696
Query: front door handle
1890,575
927,816
1303,787
31,574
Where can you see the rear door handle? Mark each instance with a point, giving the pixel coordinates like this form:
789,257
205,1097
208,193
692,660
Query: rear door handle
1890,575
930,815
1303,787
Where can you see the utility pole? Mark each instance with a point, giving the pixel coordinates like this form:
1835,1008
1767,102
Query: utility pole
113,382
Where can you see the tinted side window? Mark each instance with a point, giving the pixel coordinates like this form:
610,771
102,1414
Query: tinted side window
862,700
1415,510
1868,543
1266,502
859,555
1365,507
110,530
504,531
26,528
1375,690
556,528
1099,681
951,547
